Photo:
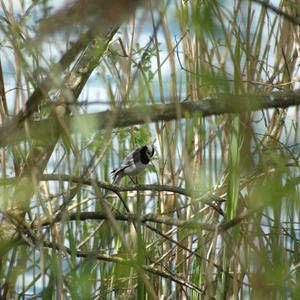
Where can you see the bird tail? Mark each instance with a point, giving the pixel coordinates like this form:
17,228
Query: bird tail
116,180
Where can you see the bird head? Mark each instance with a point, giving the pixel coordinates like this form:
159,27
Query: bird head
149,151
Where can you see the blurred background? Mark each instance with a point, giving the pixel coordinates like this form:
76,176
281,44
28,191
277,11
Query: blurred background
216,213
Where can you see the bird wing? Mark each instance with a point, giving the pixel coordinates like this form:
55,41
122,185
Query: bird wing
131,158
128,161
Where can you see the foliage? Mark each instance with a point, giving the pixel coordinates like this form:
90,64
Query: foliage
215,215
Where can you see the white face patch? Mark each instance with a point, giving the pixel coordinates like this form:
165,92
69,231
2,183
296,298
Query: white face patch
149,151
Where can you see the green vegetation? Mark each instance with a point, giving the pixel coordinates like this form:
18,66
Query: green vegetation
214,84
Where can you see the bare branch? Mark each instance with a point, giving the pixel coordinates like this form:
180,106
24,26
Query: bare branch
120,260
222,104
278,11
83,216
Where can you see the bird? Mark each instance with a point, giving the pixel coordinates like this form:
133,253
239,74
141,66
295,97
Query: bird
134,163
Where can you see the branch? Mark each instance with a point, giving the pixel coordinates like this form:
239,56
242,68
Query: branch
158,219
222,104
40,152
116,188
94,215
54,75
119,260
209,199
104,185
278,11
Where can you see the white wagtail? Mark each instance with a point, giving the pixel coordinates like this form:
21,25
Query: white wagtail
134,163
